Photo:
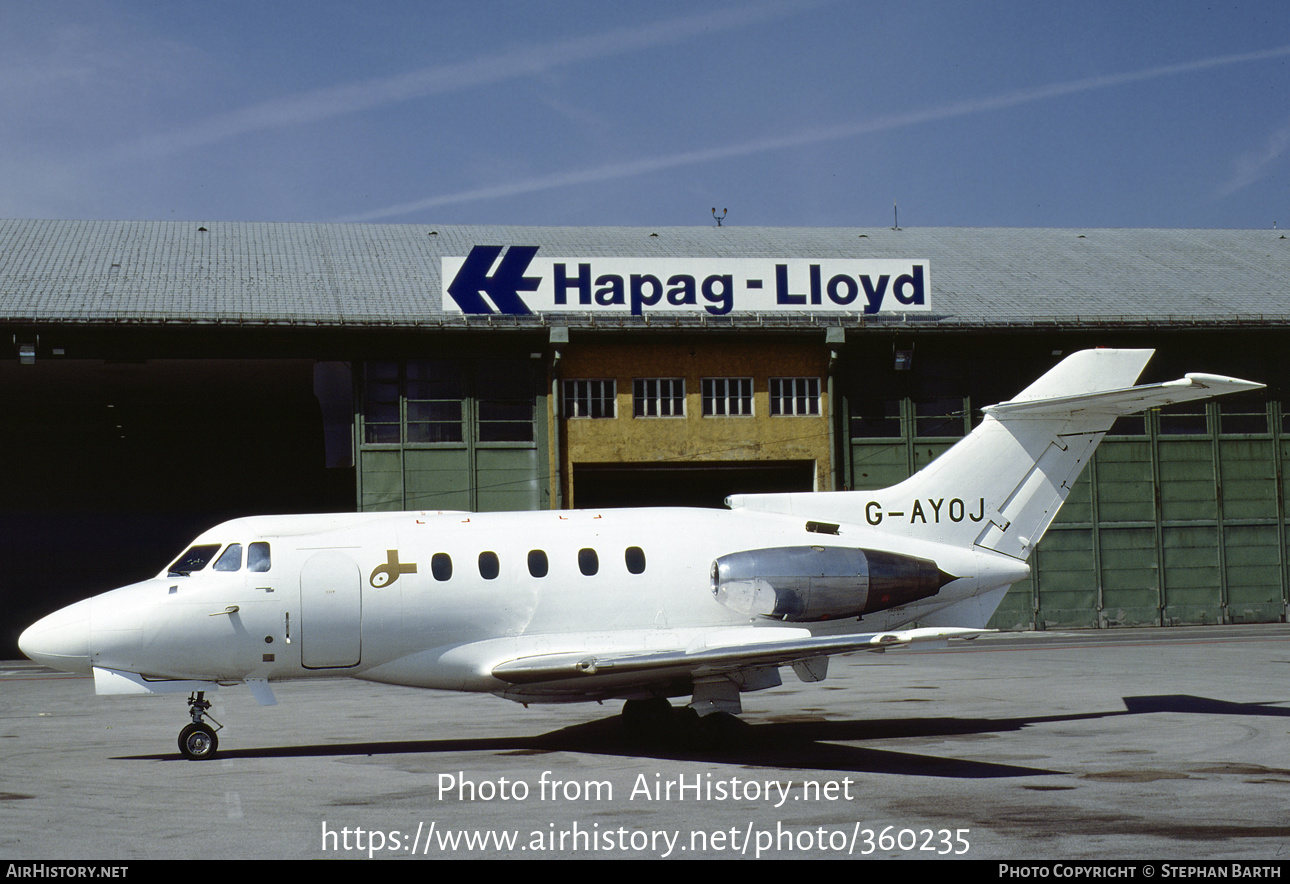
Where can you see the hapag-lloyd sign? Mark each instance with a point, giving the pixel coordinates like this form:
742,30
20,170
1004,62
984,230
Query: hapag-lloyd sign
517,281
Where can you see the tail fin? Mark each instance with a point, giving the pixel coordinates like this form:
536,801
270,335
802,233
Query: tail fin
1001,486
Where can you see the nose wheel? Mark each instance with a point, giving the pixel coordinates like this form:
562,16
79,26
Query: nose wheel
197,741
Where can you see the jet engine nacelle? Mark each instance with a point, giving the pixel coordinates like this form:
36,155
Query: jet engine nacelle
804,583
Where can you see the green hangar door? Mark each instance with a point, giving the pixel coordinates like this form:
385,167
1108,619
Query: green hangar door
453,434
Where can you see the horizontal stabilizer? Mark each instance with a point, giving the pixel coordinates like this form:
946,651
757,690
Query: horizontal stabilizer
1128,400
1000,487
712,657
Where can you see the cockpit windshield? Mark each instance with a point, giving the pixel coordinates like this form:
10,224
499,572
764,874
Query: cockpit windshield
231,560
193,560
258,558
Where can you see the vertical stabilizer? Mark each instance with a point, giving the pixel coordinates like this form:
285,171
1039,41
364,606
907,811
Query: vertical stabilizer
1001,486
1088,371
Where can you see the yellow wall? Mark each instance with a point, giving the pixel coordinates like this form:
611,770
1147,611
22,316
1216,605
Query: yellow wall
695,438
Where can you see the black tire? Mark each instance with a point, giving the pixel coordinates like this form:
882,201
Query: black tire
198,742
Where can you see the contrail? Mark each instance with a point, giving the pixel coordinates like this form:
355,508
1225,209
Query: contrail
348,98
1253,165
1014,98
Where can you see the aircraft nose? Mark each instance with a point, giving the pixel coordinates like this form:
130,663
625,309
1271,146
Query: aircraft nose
61,640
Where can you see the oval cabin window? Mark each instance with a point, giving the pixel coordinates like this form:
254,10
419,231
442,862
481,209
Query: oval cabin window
635,557
538,564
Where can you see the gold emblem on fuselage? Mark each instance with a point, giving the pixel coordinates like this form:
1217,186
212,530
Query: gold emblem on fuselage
384,575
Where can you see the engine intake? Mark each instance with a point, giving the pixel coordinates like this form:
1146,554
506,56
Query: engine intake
806,583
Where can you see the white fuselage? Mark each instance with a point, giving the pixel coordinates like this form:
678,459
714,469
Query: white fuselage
370,595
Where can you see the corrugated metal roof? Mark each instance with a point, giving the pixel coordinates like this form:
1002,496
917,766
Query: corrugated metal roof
145,272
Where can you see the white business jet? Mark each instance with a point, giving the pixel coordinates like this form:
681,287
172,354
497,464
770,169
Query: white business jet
639,604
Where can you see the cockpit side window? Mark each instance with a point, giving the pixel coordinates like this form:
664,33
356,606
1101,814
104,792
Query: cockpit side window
257,557
194,560
231,560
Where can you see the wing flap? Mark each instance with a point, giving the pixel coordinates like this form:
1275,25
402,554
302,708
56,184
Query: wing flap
715,655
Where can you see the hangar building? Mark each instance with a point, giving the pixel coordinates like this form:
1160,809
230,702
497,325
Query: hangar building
158,377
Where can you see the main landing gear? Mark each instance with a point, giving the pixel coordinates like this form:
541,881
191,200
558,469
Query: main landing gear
197,741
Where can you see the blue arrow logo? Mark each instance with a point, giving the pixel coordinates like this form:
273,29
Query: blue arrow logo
503,288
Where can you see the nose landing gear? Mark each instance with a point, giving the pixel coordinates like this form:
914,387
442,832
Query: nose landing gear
197,741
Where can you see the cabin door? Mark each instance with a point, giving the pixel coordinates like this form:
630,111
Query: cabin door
331,611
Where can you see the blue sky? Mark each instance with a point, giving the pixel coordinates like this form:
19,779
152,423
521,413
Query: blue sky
786,112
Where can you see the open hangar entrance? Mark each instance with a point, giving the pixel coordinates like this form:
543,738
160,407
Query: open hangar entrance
601,486
113,465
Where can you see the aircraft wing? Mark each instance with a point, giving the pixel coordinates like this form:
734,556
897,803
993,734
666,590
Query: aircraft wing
718,652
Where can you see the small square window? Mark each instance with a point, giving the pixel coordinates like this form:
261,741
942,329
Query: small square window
939,418
795,396
876,419
727,397
591,398
1186,419
434,390
1243,416
658,397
